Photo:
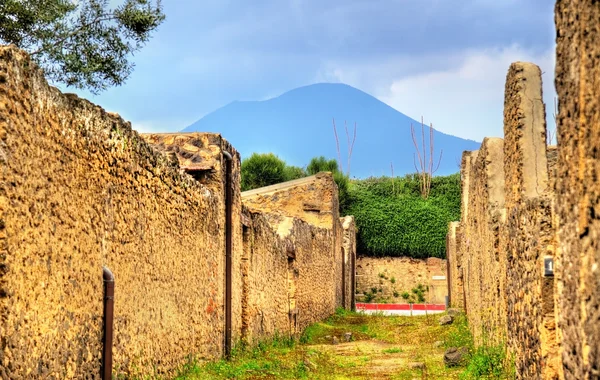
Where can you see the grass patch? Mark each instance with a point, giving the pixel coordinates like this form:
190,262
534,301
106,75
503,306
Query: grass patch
380,347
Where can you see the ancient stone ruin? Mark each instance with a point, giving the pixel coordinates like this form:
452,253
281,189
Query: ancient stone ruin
198,266
523,260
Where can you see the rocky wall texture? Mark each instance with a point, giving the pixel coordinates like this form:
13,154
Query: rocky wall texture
268,300
314,200
578,190
531,331
349,260
483,260
201,155
507,231
288,275
386,279
78,190
454,262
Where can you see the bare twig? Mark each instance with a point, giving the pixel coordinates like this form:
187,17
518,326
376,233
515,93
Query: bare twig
337,144
427,166
350,145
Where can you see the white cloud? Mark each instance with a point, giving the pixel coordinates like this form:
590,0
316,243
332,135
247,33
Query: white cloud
468,100
460,93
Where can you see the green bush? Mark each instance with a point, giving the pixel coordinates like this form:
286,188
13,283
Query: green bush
321,164
394,220
261,170
294,172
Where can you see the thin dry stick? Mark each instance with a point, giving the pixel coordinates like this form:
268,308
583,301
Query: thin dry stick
350,145
426,167
337,144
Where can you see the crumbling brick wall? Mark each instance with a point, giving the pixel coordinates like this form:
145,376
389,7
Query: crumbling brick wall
78,190
578,190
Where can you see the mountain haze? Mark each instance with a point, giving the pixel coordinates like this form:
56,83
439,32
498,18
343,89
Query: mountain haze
298,126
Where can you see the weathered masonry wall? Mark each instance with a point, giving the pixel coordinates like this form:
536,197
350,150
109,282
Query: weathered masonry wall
313,200
507,233
577,186
547,236
80,189
454,262
385,279
283,265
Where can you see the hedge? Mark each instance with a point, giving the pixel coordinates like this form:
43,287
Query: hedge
393,219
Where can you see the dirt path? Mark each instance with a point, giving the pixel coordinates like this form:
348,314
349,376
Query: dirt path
378,348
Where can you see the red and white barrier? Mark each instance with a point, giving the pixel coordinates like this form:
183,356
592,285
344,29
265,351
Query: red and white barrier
400,308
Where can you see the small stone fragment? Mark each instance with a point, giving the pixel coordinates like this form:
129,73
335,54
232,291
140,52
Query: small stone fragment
455,356
335,340
348,336
416,365
438,343
446,320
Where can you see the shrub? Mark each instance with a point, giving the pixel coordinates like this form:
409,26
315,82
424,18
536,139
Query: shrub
321,164
294,172
394,220
261,170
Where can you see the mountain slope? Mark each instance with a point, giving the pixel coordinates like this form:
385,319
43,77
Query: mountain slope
298,126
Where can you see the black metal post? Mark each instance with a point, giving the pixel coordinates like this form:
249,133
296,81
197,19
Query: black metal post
107,338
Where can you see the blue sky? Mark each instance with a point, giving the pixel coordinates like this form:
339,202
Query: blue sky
443,59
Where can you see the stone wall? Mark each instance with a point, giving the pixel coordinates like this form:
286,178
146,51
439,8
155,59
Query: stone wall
313,200
506,232
577,186
454,262
349,260
483,264
79,189
283,265
385,279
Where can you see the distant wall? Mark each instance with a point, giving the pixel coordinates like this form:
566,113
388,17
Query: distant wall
313,200
384,279
289,278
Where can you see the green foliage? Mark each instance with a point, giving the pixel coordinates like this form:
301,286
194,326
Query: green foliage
321,164
261,170
294,172
84,44
487,362
459,335
394,220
